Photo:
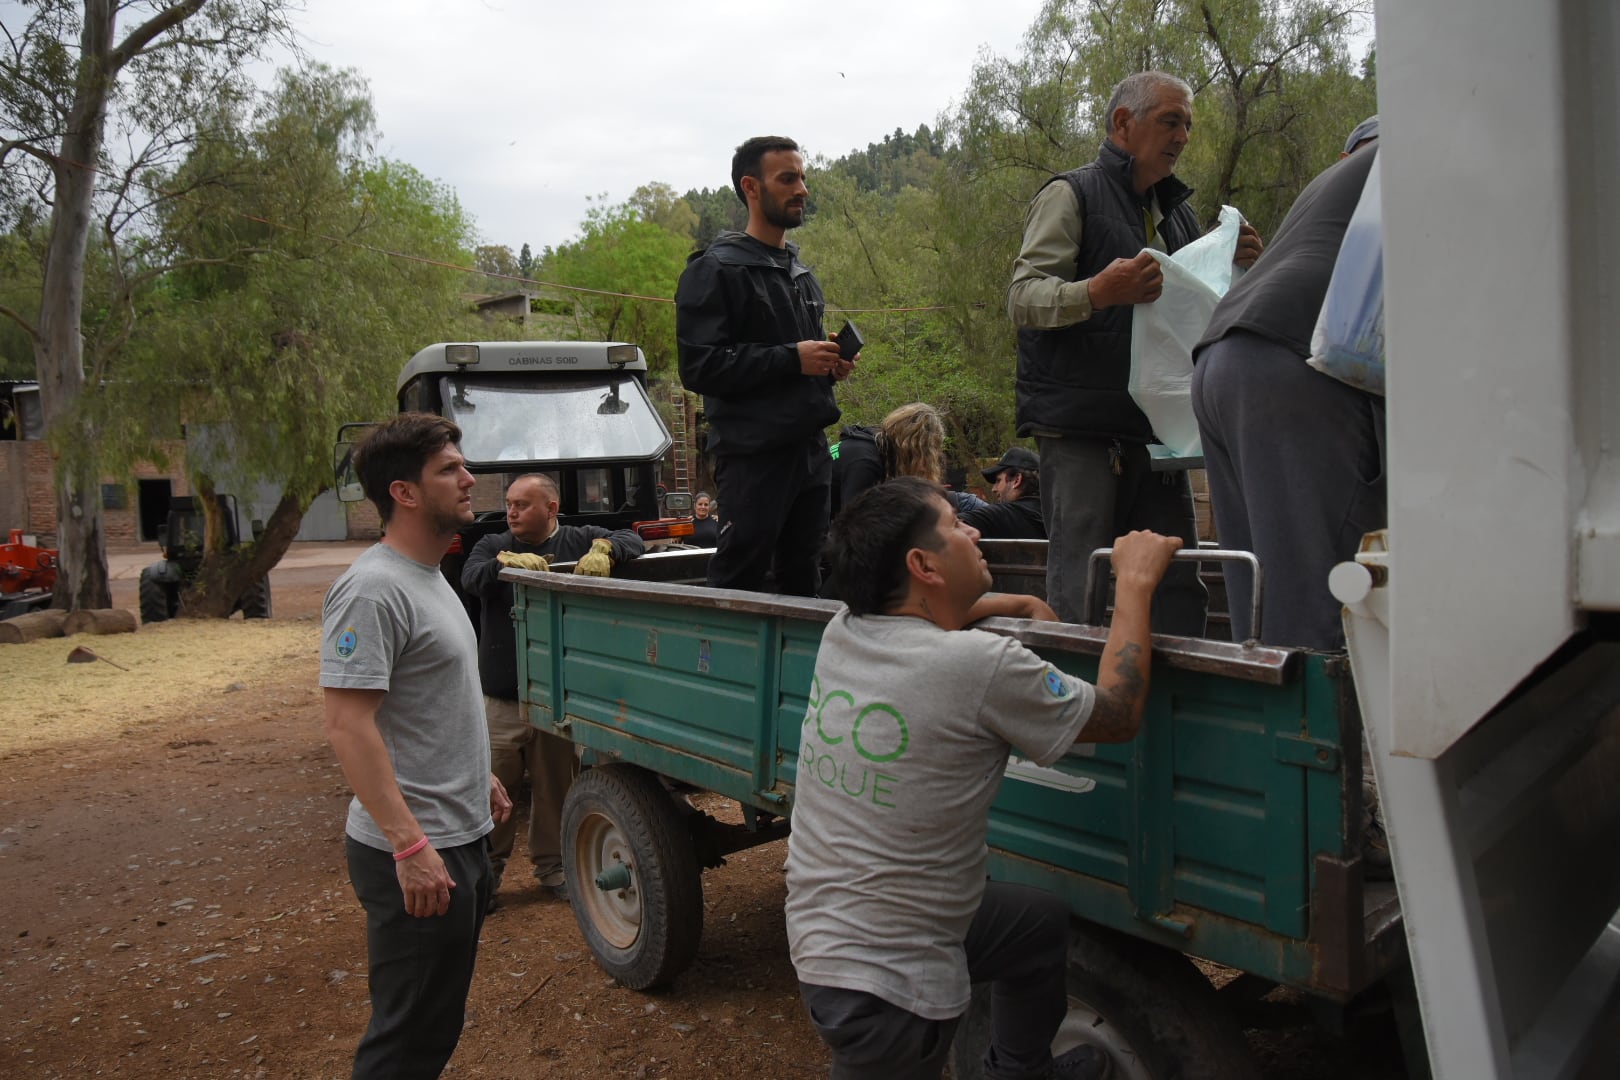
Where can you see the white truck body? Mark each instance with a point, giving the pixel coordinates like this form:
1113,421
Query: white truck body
1485,645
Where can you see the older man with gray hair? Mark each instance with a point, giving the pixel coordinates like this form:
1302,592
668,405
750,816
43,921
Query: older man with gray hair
1080,271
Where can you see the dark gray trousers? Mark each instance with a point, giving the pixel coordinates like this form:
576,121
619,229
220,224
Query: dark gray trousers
774,509
1086,505
1018,942
1295,462
420,968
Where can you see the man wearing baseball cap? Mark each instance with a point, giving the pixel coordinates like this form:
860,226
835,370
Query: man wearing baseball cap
1014,511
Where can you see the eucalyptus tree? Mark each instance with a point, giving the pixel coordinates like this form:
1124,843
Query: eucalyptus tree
95,96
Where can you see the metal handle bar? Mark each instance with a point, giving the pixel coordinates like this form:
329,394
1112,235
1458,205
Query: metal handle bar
1095,595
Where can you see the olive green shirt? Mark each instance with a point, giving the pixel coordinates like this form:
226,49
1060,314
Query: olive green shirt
1041,296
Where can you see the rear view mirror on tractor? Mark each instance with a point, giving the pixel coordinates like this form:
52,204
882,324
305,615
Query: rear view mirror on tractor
348,481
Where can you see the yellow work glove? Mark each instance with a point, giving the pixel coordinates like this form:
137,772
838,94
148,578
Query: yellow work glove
596,562
523,560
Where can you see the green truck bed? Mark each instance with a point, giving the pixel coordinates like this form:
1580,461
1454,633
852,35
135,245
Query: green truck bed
1228,830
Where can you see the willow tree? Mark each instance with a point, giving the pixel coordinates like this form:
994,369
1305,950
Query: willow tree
876,249
310,271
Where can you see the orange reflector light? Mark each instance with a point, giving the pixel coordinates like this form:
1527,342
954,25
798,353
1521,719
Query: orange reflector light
663,528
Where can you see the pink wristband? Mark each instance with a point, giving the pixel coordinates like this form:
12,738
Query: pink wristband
401,856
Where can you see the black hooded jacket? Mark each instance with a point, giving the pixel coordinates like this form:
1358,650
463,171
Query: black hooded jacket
741,309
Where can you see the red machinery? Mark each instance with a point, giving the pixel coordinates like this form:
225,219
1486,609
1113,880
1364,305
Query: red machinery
27,576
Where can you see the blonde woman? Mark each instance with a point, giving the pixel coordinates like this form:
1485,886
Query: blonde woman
909,442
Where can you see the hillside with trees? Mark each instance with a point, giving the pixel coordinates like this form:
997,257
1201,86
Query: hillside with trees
913,237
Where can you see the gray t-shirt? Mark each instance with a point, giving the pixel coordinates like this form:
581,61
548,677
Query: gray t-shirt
900,755
391,623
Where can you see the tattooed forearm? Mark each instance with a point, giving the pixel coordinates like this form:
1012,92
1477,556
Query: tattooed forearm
1140,559
1130,679
1117,714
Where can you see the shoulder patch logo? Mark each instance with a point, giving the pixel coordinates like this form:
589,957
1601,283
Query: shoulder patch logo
346,642
1055,684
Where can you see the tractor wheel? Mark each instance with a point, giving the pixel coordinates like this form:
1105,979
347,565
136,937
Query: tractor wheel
633,878
1147,1007
159,599
255,603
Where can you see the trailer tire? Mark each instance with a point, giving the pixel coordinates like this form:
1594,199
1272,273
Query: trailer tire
646,933
158,599
1155,1014
256,601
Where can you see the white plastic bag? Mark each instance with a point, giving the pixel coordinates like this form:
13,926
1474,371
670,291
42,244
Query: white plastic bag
1164,332
1348,342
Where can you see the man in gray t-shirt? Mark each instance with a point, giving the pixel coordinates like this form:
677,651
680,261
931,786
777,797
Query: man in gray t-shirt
912,717
405,715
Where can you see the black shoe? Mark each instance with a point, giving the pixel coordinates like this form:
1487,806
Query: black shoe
558,891
494,900
1084,1062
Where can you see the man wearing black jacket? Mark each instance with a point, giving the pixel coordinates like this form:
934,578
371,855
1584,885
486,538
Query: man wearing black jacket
1015,512
514,744
748,324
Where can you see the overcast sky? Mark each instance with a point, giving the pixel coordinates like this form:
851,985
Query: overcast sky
526,107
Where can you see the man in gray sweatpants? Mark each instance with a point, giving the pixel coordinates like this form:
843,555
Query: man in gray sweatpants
1295,457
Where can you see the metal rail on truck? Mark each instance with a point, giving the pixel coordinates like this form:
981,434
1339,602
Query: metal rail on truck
1099,561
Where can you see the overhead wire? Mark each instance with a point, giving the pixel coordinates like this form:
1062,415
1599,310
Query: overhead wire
471,270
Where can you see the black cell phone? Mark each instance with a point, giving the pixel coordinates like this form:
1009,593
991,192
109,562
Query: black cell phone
849,341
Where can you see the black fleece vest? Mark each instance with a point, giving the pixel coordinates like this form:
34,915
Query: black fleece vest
1074,379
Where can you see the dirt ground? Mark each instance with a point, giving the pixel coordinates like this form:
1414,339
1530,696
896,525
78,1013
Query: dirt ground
174,904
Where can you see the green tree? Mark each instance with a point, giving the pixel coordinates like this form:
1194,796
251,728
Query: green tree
1276,93
65,75
873,248
19,291
525,263
898,162
718,211
272,335
657,204
633,264
497,261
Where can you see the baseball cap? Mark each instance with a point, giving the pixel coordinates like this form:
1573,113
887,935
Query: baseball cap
1016,457
1367,129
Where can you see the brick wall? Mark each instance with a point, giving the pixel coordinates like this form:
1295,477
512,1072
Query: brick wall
40,491
28,491
363,521
13,497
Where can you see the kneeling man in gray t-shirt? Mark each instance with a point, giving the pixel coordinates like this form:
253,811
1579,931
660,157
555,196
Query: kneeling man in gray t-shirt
911,720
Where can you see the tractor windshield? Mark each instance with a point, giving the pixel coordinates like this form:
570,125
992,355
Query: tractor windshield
523,421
